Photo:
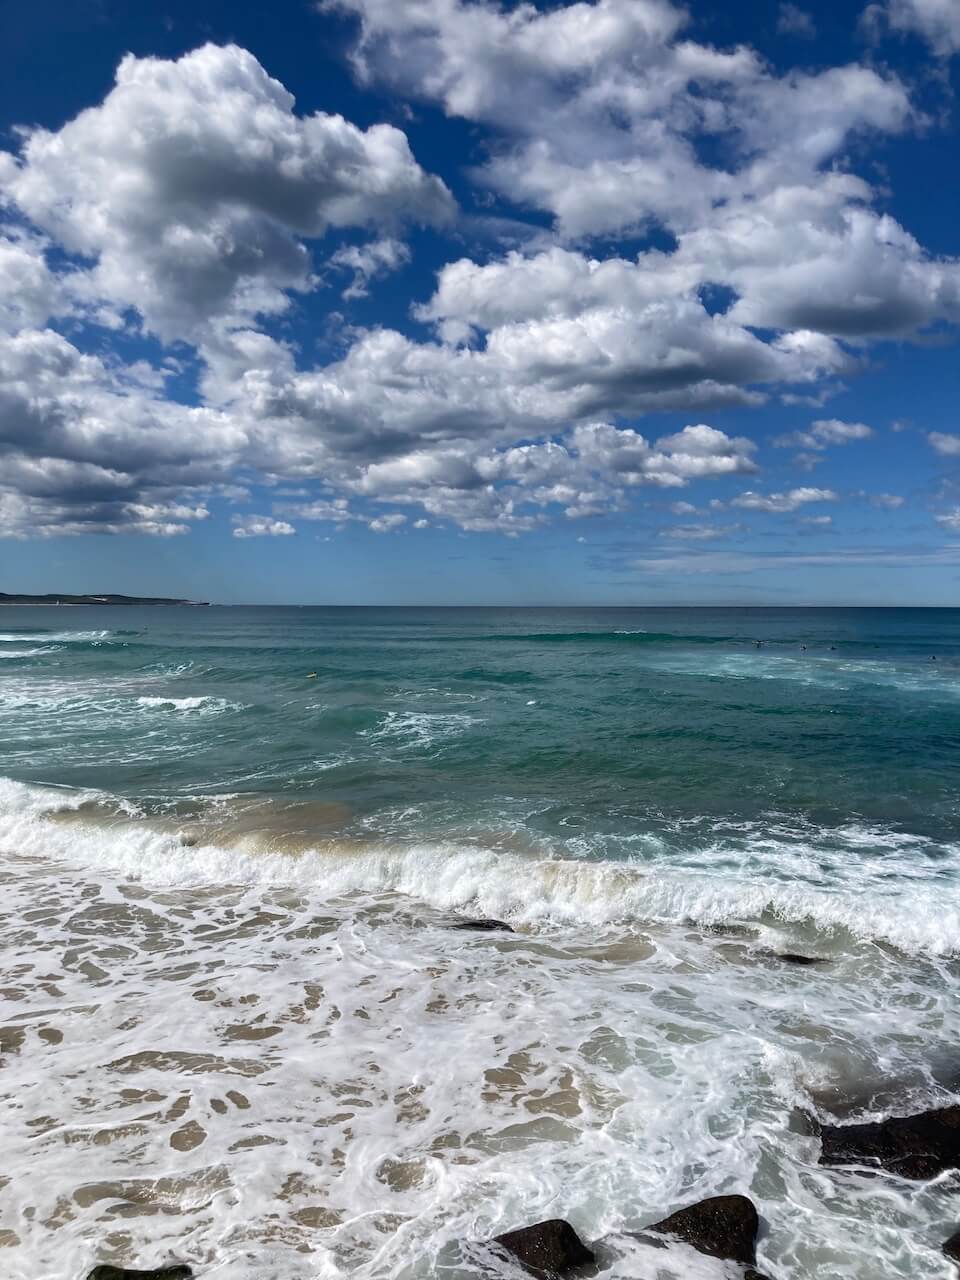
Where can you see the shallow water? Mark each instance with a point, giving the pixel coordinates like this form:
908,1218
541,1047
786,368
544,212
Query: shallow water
238,1030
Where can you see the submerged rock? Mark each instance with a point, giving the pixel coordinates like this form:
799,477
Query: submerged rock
952,1248
722,1227
917,1147
485,926
547,1249
791,957
176,1272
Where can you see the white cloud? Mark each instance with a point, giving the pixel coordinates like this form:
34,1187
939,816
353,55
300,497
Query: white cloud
336,510
944,443
782,502
794,21
825,432
950,520
937,21
814,256
192,193
833,431
85,448
368,262
707,561
386,524
600,105
886,501
261,527
193,184
29,292
697,532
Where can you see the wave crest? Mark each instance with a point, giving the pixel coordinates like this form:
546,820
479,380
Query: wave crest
917,917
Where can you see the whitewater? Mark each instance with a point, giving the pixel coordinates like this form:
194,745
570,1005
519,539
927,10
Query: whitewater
239,1030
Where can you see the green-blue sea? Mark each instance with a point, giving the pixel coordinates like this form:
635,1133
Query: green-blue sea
240,1031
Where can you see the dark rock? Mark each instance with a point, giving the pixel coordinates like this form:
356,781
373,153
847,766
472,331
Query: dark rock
722,1227
750,1274
952,1247
547,1249
484,926
790,957
917,1147
124,1273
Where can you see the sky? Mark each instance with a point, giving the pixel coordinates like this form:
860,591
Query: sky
457,301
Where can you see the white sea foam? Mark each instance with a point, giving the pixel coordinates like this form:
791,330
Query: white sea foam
411,730
30,653
909,902
928,679
271,1083
54,637
204,703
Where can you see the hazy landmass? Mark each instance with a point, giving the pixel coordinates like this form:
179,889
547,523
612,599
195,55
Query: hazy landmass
104,599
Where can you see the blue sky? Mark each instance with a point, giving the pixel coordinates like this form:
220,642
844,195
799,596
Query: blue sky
448,302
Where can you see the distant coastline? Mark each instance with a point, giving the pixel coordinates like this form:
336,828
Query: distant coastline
55,600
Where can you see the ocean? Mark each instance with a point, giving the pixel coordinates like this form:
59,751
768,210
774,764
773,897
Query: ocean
239,1031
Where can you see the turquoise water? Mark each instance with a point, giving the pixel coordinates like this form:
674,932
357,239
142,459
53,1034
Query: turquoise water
591,726
245,832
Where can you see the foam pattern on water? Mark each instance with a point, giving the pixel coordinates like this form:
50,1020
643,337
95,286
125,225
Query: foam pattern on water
273,1082
860,884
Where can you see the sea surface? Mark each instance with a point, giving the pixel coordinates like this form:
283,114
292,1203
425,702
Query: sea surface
239,1031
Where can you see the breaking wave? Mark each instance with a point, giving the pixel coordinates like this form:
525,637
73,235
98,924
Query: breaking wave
915,912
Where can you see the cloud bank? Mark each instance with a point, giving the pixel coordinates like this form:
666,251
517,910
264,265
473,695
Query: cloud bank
195,211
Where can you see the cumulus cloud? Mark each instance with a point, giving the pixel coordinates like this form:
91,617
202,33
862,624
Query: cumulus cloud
31,293
936,21
86,448
193,185
600,104
782,502
191,201
261,527
950,520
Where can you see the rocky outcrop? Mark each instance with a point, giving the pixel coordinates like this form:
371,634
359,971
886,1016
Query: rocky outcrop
547,1249
952,1248
124,1273
722,1227
484,926
917,1147
791,957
